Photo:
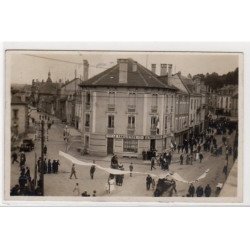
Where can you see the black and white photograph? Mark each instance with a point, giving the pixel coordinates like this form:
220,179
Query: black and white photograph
123,126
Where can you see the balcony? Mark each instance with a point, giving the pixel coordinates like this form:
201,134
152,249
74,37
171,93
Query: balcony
131,108
154,109
110,130
111,107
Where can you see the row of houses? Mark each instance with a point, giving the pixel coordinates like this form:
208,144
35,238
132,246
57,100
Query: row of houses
128,108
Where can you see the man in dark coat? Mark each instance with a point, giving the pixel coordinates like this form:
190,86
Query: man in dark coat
14,157
199,191
153,163
92,170
131,167
148,182
208,190
200,157
181,159
49,166
191,190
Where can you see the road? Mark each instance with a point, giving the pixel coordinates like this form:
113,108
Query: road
60,184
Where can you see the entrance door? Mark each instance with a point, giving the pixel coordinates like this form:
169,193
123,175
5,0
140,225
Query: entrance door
110,146
152,144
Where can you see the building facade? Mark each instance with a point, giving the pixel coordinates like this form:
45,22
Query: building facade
19,118
127,109
44,95
224,99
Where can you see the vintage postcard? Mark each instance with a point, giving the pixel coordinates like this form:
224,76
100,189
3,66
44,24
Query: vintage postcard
123,126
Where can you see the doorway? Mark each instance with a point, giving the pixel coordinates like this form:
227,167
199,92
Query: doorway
110,146
152,144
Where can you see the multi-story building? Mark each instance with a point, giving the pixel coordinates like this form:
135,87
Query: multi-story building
67,101
44,95
181,103
224,99
234,110
126,109
19,118
193,89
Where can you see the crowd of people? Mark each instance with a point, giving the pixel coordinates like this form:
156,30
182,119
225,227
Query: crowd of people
26,185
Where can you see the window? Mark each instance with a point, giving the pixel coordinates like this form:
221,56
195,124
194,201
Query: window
153,122
88,98
87,120
132,99
191,103
166,102
111,121
15,113
131,121
130,145
170,121
166,122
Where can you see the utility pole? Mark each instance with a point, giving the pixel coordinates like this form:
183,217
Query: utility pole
42,159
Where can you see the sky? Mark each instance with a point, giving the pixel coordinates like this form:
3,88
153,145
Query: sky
23,66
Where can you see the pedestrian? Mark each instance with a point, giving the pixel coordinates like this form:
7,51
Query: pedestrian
73,171
173,183
54,166
92,170
76,190
208,190
191,159
200,157
225,170
45,149
14,157
45,167
57,166
27,173
49,166
148,182
199,191
153,183
153,163
181,159
131,168
94,193
191,190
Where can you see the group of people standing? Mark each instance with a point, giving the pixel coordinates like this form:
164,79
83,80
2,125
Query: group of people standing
199,191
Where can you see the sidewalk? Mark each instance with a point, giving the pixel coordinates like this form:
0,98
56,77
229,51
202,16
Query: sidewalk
229,188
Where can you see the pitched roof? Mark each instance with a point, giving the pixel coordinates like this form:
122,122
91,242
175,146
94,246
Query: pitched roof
188,83
76,80
142,77
48,88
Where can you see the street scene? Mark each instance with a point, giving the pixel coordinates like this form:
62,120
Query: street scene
123,124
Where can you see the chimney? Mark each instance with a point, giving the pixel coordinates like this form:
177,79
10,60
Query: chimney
170,68
163,69
85,70
153,68
134,67
123,70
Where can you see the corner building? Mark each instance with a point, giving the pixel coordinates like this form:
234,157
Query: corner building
126,109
